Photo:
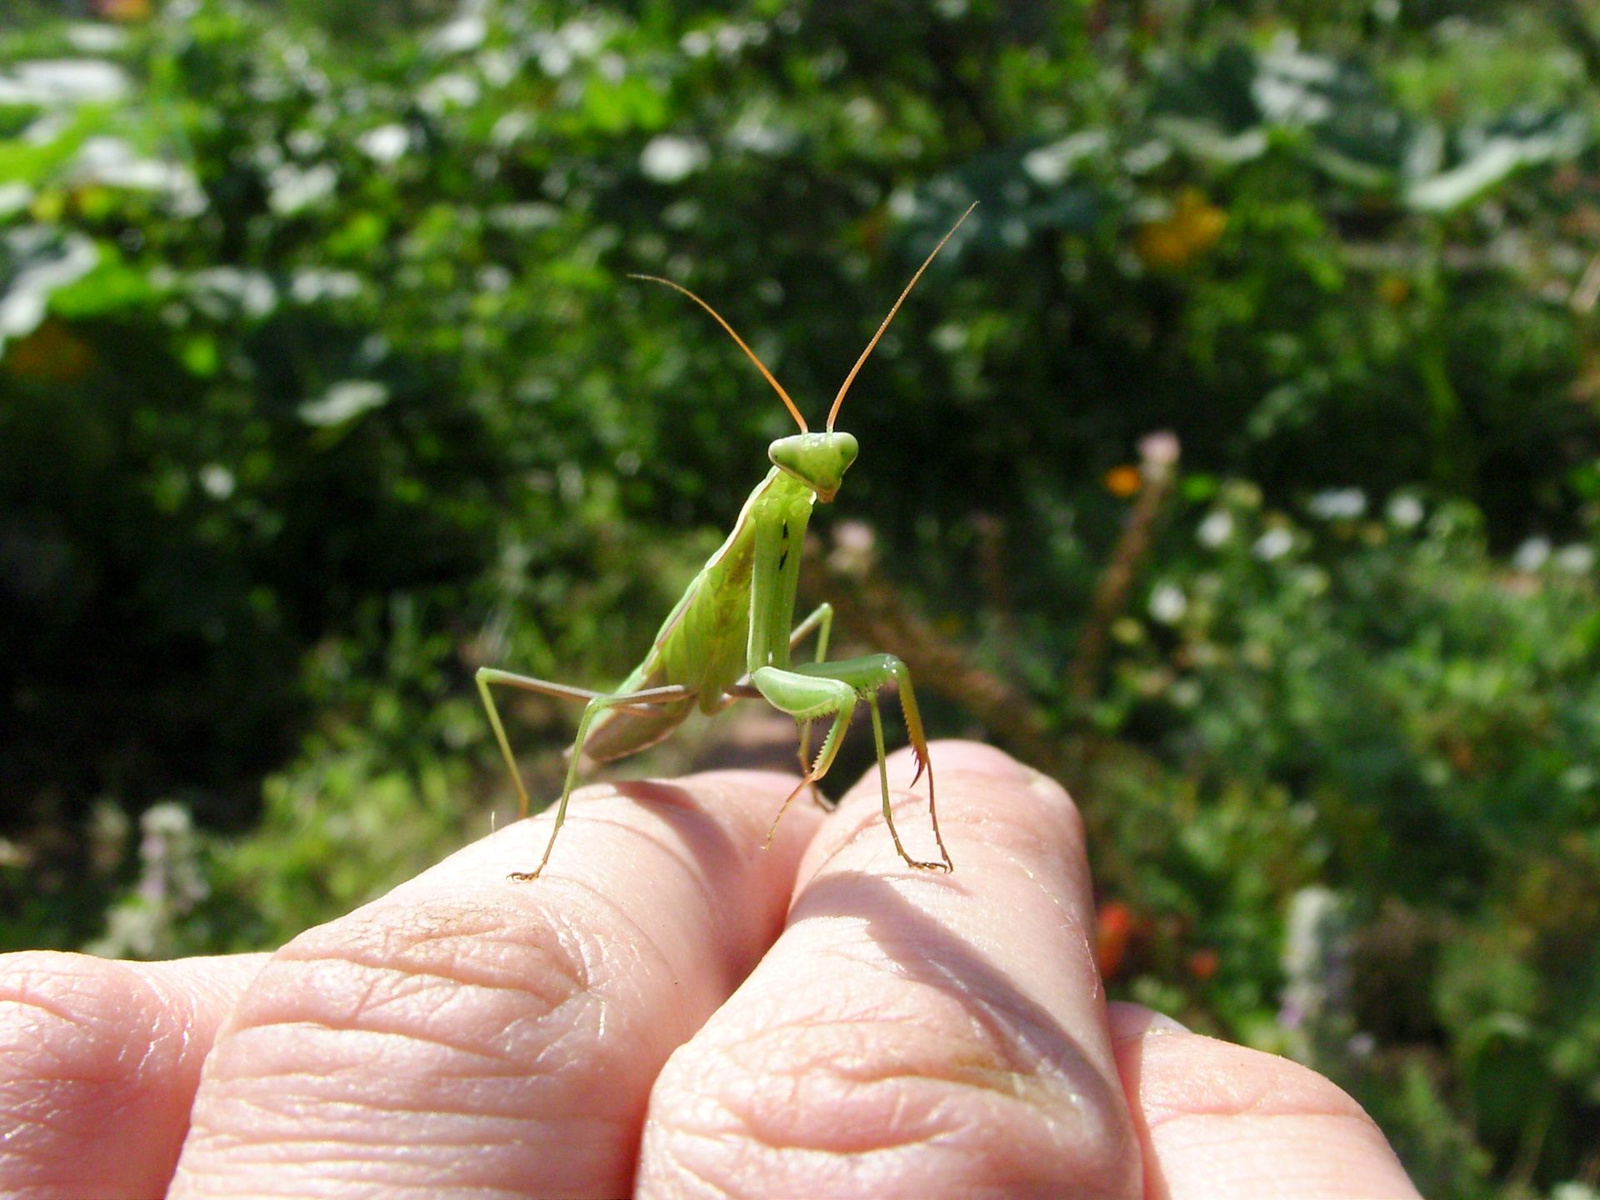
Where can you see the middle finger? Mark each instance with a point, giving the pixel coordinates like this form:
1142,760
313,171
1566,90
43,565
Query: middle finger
912,1033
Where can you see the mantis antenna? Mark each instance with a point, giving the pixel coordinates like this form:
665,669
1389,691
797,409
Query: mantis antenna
851,378
760,366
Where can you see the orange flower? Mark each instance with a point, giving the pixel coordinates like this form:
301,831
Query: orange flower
1115,926
51,354
1123,481
1203,964
123,10
1394,290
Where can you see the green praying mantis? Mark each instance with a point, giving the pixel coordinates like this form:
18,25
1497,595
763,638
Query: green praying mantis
730,637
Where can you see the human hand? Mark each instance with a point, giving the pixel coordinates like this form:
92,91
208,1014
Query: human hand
670,1011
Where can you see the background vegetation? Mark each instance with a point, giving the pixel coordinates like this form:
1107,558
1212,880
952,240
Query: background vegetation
321,384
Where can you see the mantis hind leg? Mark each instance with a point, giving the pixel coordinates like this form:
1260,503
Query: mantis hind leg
813,690
595,704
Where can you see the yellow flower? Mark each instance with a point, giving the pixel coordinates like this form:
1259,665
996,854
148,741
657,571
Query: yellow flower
1191,230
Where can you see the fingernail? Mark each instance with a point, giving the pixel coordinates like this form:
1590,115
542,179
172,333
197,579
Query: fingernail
1135,1020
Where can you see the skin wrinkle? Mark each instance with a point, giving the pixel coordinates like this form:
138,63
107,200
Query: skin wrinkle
940,1118
358,1017
741,1140
341,1162
173,1029
623,974
876,1171
354,1113
866,1071
1024,1029
31,992
512,1066
104,1100
372,1048
558,974
37,1037
702,852
326,1151
700,873
391,937
487,1161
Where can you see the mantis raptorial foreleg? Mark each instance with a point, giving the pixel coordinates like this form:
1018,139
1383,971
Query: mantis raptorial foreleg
820,622
813,690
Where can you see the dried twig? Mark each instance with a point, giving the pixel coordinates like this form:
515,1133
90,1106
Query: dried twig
1159,455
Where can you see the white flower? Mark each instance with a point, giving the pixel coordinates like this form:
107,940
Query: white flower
452,90
14,197
63,81
311,284
345,400
1049,166
1405,511
386,143
1168,603
217,481
47,266
1274,543
669,159
294,189
1532,554
1339,504
220,292
460,35
1576,559
1217,529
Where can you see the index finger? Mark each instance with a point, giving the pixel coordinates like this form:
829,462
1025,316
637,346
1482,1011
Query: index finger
914,1033
468,1033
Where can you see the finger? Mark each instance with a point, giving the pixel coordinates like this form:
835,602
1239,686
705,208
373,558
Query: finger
472,1033
98,1066
1217,1119
914,1033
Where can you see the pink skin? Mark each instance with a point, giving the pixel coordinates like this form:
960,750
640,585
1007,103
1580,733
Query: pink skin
671,1011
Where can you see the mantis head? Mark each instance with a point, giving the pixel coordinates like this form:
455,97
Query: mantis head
818,460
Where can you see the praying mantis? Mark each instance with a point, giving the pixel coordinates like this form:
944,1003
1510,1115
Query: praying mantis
730,637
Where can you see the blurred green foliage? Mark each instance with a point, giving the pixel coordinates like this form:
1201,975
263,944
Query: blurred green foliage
322,383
